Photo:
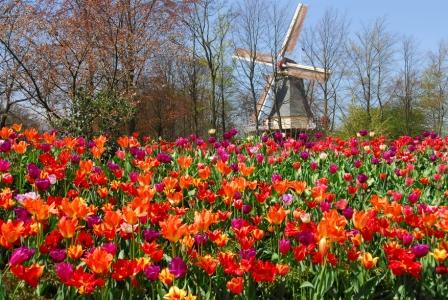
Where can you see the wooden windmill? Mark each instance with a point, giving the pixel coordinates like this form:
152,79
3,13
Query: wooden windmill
293,106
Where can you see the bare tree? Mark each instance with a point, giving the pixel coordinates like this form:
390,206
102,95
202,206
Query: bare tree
407,84
435,88
249,35
324,46
276,30
203,22
371,55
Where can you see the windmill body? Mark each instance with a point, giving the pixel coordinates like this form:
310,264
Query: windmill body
288,107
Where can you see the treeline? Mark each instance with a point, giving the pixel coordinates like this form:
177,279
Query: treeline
165,68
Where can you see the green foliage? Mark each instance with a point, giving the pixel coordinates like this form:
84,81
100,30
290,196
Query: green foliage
392,123
104,113
357,119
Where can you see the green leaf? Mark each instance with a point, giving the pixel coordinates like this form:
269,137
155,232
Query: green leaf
306,284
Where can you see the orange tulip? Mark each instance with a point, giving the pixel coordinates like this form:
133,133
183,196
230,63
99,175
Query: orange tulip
172,228
175,293
203,219
184,161
298,186
281,186
204,173
99,261
208,264
75,251
236,285
360,218
6,200
20,147
332,226
276,214
129,215
246,171
282,269
166,276
368,261
123,141
223,168
10,231
77,209
38,208
440,254
67,227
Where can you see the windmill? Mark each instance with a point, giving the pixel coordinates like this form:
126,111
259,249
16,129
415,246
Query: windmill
293,106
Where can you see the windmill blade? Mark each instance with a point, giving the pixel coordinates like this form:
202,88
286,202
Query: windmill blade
306,72
294,30
261,103
261,58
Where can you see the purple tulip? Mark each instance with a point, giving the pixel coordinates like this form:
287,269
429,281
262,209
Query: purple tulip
325,206
4,165
420,250
306,237
333,168
303,136
110,248
64,271
152,272
247,208
200,142
57,255
150,235
159,187
248,253
33,170
407,239
287,199
304,155
75,159
21,255
93,220
348,213
237,223
237,195
45,147
363,132
42,184
137,153
5,146
284,246
362,178
177,267
200,238
164,158
22,214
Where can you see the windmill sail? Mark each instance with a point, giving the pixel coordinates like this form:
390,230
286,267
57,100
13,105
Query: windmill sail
306,72
247,55
294,30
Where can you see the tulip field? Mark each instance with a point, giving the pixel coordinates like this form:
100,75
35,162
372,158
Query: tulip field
269,217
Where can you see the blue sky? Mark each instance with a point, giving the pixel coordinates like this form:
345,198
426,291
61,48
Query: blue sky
426,21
